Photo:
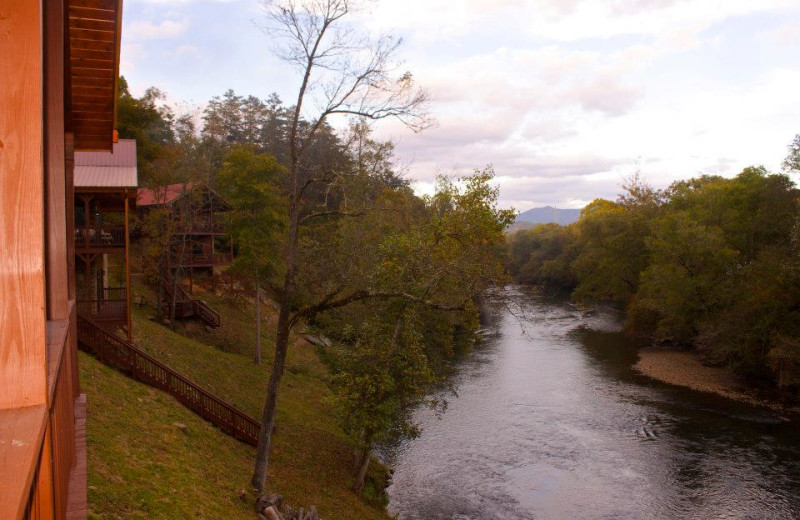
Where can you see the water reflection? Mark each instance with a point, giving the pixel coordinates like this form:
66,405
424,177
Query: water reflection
551,422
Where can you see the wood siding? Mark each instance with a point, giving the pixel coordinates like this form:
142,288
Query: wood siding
22,275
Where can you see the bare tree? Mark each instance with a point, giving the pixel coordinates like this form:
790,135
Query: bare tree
342,73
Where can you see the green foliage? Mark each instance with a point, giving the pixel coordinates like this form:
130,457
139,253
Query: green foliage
379,377
148,121
710,263
248,181
543,255
612,253
688,276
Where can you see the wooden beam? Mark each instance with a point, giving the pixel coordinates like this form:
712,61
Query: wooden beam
106,74
92,14
92,24
80,81
92,45
57,278
109,5
86,63
69,167
128,268
92,54
88,34
22,267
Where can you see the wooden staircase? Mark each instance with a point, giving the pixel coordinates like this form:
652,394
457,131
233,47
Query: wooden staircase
125,357
185,305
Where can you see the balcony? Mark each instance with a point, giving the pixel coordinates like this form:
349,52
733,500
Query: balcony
111,310
204,259
100,240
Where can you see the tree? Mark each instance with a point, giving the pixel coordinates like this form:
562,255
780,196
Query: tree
150,124
354,79
792,161
689,276
430,267
249,182
378,380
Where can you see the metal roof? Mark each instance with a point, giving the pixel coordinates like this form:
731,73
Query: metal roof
166,195
108,170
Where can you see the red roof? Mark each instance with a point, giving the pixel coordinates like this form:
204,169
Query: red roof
163,194
166,195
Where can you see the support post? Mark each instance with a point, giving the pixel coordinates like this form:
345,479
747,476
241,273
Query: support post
127,267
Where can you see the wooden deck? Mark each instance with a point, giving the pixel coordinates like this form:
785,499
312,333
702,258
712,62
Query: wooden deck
76,501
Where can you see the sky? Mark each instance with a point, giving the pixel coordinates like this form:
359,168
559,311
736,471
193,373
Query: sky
565,99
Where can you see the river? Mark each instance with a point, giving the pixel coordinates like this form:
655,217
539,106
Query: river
551,422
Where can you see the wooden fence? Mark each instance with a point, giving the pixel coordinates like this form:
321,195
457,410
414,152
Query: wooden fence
120,354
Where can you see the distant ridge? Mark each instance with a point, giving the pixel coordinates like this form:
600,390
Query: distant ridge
549,214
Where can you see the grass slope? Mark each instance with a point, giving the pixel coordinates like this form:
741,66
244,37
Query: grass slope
142,466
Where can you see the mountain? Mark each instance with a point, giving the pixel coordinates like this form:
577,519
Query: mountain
548,214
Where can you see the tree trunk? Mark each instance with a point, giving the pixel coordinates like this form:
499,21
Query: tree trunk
258,323
259,479
363,465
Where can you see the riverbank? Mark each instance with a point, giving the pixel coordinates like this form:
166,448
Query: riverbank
684,368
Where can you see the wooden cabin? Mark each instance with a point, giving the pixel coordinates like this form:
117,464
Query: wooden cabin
197,225
59,64
105,193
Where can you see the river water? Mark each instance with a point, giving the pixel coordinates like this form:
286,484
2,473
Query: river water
551,422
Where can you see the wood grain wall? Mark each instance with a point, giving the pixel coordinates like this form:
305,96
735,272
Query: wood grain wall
22,270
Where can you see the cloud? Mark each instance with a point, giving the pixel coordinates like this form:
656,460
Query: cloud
130,53
788,33
190,51
175,2
606,94
146,30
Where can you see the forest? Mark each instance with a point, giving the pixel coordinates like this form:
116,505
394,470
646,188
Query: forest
709,263
378,268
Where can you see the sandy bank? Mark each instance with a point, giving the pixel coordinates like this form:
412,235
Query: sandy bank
682,368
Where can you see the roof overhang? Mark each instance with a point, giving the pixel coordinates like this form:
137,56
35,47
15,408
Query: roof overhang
95,28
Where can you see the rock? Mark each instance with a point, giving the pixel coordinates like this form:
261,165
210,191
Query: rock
320,341
272,514
268,500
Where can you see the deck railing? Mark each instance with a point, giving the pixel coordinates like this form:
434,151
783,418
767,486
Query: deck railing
203,259
109,237
122,355
105,310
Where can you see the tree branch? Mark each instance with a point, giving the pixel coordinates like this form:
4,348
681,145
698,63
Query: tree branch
327,304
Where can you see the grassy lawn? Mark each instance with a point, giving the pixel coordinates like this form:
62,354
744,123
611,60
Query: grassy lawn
143,466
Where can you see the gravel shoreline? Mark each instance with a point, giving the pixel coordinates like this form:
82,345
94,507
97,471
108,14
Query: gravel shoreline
682,368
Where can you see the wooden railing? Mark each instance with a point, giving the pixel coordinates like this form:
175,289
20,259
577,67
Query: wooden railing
105,310
186,306
122,355
115,293
203,259
112,237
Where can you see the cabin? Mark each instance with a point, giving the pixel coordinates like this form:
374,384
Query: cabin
105,196
196,223
59,64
